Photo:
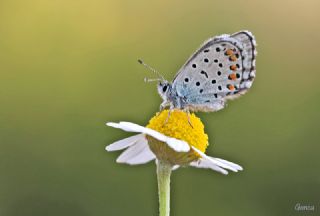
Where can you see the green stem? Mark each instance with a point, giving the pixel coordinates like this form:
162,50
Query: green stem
163,174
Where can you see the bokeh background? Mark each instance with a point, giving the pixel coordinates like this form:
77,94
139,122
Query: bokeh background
68,66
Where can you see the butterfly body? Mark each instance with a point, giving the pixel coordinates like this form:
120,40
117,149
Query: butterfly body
222,69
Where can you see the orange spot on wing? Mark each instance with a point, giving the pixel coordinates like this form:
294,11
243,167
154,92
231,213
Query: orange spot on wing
229,52
233,67
231,87
233,58
233,76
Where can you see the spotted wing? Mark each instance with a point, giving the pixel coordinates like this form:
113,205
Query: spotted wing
223,68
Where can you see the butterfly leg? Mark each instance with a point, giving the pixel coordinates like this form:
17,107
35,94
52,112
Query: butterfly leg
167,119
169,113
163,105
188,114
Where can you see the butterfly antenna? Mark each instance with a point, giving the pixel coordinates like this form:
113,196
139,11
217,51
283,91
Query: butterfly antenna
152,69
152,80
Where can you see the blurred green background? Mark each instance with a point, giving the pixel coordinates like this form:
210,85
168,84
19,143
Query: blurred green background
67,67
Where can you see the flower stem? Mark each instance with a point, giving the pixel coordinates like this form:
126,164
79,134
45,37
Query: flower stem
163,174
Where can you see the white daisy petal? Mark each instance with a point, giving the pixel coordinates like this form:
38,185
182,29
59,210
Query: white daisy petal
234,165
124,143
114,125
221,164
131,127
143,157
178,145
208,165
155,134
132,151
126,126
175,144
215,161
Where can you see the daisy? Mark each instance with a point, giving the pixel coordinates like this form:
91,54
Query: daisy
172,143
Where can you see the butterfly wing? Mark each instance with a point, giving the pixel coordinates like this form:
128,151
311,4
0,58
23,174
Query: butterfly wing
223,68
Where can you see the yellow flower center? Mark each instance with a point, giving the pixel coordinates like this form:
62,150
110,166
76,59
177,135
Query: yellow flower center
177,125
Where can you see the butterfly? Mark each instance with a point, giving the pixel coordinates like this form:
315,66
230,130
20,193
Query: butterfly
223,68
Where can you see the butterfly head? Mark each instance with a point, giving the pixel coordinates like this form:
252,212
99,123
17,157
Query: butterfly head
164,89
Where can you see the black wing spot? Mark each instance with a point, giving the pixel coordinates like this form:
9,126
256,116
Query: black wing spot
220,88
237,55
194,65
201,90
205,73
238,75
238,66
220,65
207,101
206,60
186,79
206,50
218,49
215,61
219,73
213,81
197,83
216,95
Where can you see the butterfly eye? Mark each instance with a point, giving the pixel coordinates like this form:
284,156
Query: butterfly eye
164,89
